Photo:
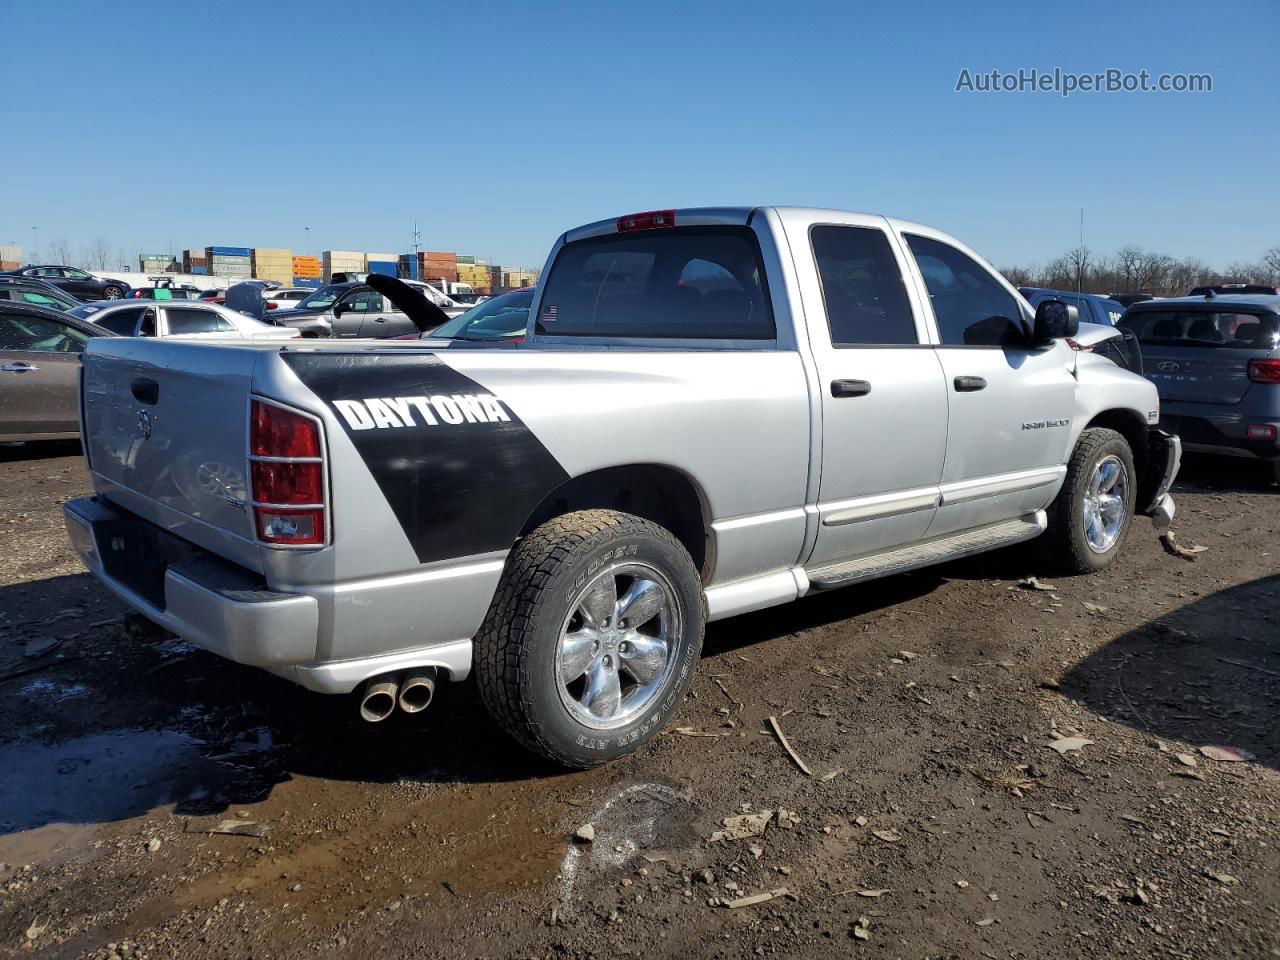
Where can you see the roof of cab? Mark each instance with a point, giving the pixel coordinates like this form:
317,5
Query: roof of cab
1252,302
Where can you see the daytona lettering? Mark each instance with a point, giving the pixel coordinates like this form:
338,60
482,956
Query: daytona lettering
385,413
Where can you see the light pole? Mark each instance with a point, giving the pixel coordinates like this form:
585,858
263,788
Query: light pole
307,234
35,243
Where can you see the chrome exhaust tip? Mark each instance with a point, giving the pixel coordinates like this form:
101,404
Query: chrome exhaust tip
379,698
417,690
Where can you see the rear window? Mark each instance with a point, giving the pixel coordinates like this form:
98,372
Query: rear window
1202,328
697,283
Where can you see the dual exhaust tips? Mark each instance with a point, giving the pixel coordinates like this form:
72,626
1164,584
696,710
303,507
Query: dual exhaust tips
411,692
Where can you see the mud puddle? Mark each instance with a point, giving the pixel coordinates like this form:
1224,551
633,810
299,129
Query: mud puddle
54,796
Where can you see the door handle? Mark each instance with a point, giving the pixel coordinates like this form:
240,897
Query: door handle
380,319
19,367
850,388
970,384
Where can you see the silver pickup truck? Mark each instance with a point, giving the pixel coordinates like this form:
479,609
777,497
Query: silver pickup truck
712,411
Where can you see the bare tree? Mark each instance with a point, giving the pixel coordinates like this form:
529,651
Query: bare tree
1020,276
96,254
60,252
1271,260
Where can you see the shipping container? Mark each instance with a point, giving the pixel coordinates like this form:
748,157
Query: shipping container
308,282
228,251
462,260
198,269
386,267
10,253
10,264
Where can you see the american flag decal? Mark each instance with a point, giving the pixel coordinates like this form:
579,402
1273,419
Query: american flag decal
549,313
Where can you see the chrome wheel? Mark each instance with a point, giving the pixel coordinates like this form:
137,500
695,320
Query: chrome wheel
114,293
1104,509
614,652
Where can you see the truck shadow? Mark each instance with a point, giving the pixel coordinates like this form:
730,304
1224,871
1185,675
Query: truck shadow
97,726
1207,674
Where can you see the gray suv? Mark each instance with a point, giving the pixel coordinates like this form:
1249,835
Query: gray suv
1215,361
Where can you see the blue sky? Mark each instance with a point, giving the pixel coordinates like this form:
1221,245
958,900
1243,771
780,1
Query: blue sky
498,125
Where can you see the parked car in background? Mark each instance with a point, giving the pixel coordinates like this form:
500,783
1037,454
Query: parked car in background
1091,307
167,291
1127,300
502,318
355,309
177,318
1217,289
39,371
284,298
78,283
30,290
1216,364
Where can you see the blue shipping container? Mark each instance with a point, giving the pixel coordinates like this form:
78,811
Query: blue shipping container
385,267
408,267
228,251
196,269
308,282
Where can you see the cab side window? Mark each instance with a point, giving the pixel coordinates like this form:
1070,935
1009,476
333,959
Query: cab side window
123,322
194,320
19,331
862,287
363,301
972,308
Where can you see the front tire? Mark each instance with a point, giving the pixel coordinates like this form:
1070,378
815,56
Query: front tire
592,639
1090,518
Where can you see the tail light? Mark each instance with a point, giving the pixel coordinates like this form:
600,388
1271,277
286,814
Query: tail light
287,476
652,220
1264,371
1262,431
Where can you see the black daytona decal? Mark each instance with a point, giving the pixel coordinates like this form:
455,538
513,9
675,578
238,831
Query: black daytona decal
458,467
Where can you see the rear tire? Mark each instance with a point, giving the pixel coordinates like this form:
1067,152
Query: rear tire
113,293
1090,518
559,664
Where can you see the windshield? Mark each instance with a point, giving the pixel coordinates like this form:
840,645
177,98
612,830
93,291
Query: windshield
501,318
45,297
322,299
1202,328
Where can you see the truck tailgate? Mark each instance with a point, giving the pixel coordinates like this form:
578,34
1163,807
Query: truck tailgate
166,433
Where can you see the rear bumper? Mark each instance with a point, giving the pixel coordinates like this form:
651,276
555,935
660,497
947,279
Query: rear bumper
215,605
229,611
1222,431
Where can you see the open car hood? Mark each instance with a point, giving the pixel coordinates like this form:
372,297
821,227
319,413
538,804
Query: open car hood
424,314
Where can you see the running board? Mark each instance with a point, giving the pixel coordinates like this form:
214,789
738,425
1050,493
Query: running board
919,555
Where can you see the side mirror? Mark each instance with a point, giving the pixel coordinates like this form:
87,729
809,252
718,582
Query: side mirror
1055,319
339,310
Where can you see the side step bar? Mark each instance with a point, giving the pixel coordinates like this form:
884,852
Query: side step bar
919,555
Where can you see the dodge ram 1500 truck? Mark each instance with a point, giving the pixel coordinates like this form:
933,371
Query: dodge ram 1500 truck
713,411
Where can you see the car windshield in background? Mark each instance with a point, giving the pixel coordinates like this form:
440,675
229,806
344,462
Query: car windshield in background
322,299
682,283
1203,328
41,298
501,318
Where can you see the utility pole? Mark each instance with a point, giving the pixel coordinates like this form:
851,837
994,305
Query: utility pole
417,238
306,232
35,243
1080,271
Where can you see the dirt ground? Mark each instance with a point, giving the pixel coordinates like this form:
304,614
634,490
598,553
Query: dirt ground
936,821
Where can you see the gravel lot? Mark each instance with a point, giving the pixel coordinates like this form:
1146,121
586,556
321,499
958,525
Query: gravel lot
934,821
